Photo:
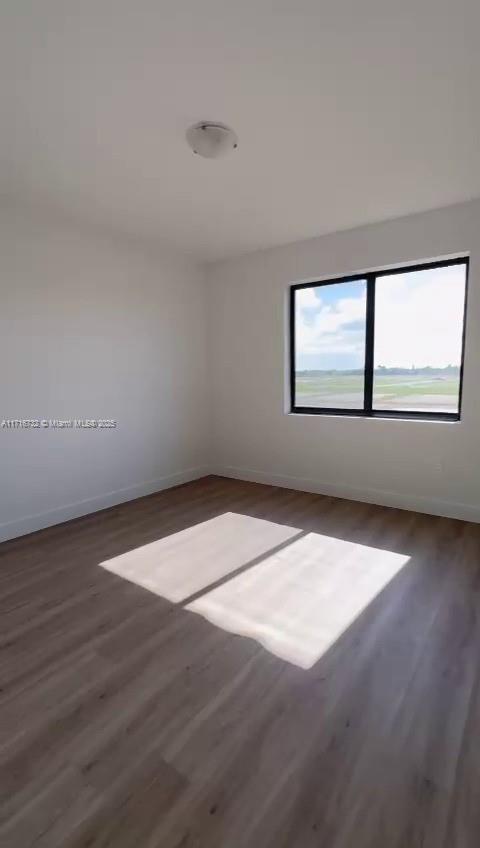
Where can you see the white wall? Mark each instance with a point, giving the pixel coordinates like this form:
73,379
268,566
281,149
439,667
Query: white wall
93,327
434,467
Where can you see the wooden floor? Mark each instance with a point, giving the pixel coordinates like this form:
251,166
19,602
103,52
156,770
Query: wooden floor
128,720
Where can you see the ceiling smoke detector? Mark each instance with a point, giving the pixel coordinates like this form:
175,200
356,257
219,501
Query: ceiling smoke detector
211,140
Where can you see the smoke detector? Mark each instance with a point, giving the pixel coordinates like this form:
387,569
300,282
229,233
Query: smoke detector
211,140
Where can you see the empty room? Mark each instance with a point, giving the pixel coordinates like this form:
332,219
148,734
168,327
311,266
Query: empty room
239,424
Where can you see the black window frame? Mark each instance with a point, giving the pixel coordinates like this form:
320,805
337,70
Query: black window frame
367,410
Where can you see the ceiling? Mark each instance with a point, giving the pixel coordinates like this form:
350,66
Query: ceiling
347,112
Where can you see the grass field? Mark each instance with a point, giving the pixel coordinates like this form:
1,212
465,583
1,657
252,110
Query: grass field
419,392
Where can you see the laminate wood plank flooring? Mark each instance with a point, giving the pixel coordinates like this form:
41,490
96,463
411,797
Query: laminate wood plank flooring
232,665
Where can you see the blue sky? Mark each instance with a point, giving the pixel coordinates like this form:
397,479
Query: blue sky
330,329
419,319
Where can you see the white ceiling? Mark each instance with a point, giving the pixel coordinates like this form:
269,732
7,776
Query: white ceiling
347,112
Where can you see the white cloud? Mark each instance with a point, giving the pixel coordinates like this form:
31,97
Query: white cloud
324,330
306,299
419,318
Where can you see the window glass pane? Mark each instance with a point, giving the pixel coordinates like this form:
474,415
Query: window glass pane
330,323
418,340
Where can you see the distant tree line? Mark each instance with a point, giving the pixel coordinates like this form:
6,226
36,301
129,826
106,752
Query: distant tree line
449,370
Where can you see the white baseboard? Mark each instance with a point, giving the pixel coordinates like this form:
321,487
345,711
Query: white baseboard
31,523
414,503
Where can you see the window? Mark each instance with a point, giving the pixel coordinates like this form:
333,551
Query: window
386,343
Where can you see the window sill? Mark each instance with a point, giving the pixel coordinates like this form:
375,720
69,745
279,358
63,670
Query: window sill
378,416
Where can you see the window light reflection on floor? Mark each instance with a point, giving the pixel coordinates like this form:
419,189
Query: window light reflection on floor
292,591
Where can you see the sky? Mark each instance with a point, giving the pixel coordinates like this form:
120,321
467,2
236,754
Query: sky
418,321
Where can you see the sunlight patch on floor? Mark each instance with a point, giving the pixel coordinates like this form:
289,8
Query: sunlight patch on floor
292,591
300,600
184,563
